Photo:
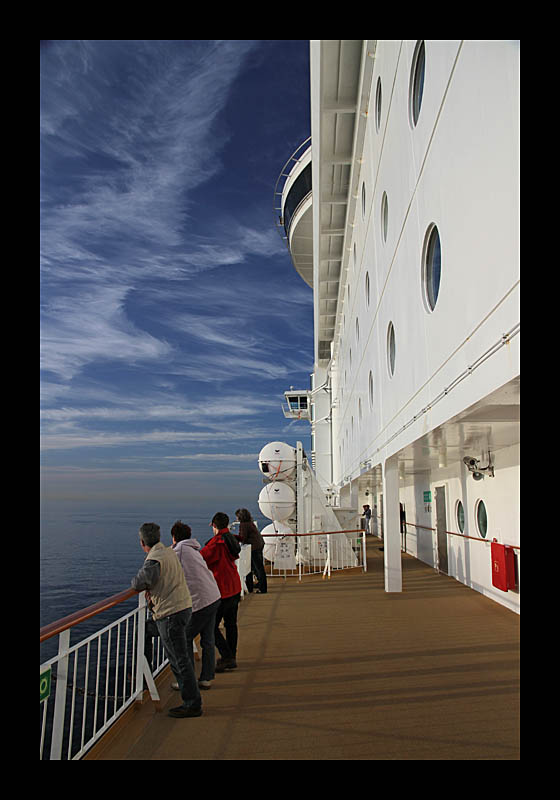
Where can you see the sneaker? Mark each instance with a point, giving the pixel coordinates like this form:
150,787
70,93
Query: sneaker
226,664
175,686
204,684
182,711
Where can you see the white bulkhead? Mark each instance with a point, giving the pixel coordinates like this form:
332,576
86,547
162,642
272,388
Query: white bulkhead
415,175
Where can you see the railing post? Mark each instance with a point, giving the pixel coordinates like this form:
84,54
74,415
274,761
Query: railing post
364,550
140,644
60,696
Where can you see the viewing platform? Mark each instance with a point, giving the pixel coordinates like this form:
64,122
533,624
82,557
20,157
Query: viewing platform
341,670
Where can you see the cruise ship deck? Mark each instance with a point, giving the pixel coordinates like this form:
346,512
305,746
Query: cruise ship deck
341,670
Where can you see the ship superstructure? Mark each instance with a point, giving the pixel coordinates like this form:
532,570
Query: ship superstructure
401,212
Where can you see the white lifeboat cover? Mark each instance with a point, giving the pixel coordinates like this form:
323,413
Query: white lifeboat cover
275,542
274,530
277,501
277,461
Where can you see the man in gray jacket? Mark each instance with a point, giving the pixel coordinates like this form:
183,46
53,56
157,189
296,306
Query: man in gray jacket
163,579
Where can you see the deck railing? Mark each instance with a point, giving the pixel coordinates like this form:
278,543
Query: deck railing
297,555
88,685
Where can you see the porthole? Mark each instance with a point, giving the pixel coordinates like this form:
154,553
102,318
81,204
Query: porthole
360,409
370,389
431,267
416,88
378,105
357,331
384,216
363,200
460,515
350,358
481,519
391,349
367,289
354,255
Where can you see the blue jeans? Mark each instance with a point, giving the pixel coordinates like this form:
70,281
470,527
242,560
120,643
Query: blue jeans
173,632
202,622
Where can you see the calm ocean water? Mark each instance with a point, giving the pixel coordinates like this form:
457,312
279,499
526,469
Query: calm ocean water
90,554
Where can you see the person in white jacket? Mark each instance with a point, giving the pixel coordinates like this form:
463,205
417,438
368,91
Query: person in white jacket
205,599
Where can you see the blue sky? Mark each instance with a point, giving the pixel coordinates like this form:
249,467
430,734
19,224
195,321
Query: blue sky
172,319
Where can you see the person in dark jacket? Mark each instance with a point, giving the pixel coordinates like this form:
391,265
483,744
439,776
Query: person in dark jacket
221,562
249,534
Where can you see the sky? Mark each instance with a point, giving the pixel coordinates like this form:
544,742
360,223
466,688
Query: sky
172,319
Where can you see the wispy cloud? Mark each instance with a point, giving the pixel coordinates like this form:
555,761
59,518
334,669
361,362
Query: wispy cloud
165,320
132,164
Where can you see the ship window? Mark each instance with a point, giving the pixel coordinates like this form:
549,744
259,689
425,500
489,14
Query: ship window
378,105
416,89
363,200
384,216
391,349
367,288
431,267
357,330
360,409
481,518
460,512
354,255
371,389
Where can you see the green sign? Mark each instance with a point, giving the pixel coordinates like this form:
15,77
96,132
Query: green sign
45,685
427,497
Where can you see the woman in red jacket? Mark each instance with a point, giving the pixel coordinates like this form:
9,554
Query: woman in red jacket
221,561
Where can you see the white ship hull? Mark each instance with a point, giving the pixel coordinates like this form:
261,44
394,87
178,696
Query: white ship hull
413,259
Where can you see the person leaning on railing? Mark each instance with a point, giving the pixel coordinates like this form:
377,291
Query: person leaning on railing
250,534
219,554
163,579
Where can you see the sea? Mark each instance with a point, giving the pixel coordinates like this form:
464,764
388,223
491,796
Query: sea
90,553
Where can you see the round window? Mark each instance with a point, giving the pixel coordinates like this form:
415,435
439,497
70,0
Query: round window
378,105
367,288
363,201
384,216
416,89
371,389
481,519
391,349
431,267
460,512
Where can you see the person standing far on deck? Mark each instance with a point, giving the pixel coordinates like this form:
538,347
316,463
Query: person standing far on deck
168,594
367,515
249,534
206,600
221,560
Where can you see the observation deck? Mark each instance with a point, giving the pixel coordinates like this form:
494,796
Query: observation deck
294,215
430,674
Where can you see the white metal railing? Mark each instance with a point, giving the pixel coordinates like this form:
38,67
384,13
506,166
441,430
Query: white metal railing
298,555
285,174
94,681
88,685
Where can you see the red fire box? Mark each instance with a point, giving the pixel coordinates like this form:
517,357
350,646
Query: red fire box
503,566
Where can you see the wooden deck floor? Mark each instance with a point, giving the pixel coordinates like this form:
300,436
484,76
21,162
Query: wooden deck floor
340,669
